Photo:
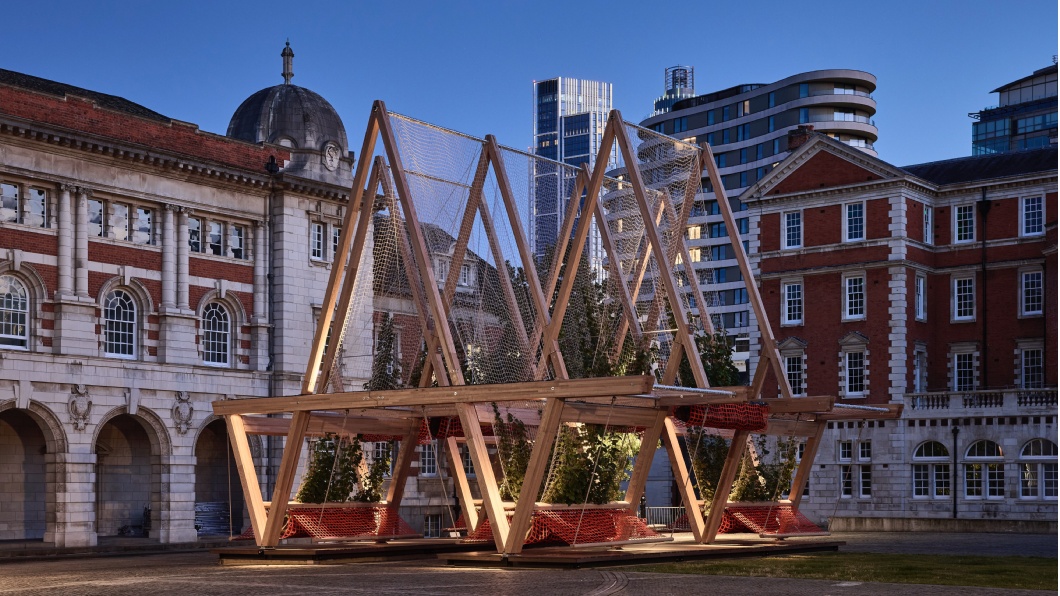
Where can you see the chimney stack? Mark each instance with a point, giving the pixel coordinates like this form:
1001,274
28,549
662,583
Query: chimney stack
798,137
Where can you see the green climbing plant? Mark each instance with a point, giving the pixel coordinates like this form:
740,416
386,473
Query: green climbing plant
590,464
332,474
371,488
772,476
513,450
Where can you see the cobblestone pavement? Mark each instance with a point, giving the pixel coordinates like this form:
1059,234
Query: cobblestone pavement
191,574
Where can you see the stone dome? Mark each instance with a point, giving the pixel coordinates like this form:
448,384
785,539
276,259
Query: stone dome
288,115
298,118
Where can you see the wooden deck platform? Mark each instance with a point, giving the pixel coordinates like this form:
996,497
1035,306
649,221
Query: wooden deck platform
683,548
342,552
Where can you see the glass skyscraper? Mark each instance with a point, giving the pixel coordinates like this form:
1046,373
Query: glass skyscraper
569,120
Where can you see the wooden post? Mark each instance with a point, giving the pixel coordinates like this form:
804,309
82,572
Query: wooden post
769,343
327,310
683,480
642,464
248,476
492,505
535,472
403,464
463,488
281,494
802,473
724,487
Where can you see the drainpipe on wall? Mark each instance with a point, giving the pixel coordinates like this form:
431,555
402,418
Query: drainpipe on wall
272,168
984,209
953,485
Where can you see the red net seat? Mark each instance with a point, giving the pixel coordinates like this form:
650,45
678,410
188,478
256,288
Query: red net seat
751,416
776,521
342,523
578,527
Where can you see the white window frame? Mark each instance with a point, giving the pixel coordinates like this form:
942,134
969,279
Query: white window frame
1039,229
432,525
1038,353
865,481
15,315
959,359
336,234
127,327
216,341
790,303
967,282
847,296
920,297
934,469
929,225
207,243
467,276
237,241
429,459
848,222
991,481
317,250
957,211
845,450
1025,276
795,372
788,228
919,370
1038,470
847,356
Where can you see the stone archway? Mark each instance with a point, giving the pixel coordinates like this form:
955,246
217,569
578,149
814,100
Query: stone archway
219,505
128,477
27,478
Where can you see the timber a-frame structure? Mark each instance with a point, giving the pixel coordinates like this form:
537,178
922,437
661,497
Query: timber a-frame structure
540,392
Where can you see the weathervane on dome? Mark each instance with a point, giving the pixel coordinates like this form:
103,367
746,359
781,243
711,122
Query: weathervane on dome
288,60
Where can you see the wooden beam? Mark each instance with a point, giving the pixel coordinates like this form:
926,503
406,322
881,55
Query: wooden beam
736,395
791,428
612,415
525,255
724,486
642,464
292,451
364,400
463,488
506,282
248,476
321,424
327,310
800,405
682,479
802,472
889,412
661,254
535,472
403,463
349,280
492,504
769,342
419,249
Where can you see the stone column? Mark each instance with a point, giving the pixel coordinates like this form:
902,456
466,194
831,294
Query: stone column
182,258
169,259
81,243
66,244
259,321
75,500
176,517
260,273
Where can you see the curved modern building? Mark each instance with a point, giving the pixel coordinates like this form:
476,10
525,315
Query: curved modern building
747,127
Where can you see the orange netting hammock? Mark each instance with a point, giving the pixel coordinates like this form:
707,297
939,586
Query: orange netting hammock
342,523
778,520
577,527
750,416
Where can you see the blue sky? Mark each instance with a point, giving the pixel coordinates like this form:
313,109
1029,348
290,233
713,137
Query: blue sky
470,65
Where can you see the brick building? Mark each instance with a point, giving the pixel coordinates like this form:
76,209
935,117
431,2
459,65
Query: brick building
931,286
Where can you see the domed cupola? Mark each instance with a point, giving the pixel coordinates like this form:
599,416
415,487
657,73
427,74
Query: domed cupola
300,119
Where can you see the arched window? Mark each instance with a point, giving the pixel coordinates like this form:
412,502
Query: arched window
215,334
931,471
119,325
984,471
1038,470
14,313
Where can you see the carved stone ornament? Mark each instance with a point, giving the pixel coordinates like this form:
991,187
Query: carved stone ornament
80,406
182,411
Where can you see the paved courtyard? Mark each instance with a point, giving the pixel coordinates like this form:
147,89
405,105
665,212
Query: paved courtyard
188,574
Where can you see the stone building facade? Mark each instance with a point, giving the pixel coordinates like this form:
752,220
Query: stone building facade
931,286
148,268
